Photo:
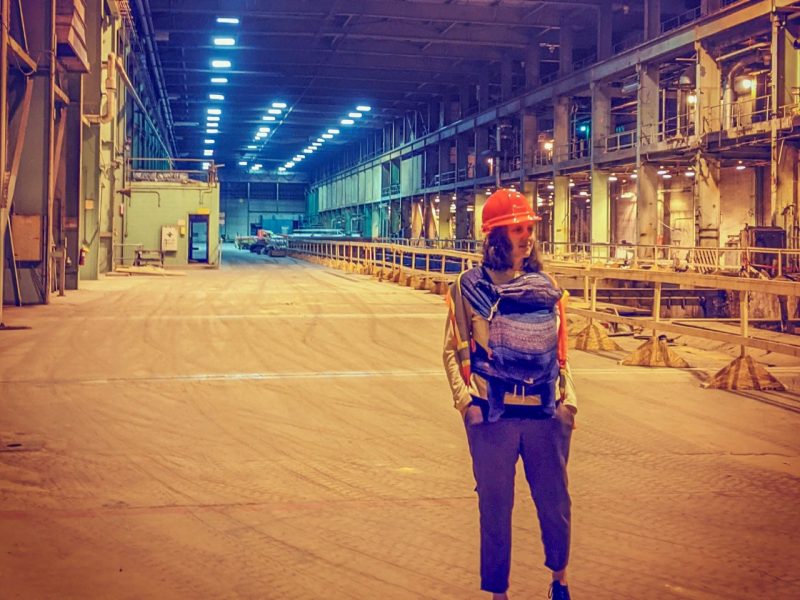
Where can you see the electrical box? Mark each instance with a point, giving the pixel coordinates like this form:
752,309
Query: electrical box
26,231
169,238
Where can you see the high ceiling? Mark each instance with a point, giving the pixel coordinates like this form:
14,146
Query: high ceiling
323,58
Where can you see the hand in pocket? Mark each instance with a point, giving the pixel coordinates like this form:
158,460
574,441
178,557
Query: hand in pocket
473,415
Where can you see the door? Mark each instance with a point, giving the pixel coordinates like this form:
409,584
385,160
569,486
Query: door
198,238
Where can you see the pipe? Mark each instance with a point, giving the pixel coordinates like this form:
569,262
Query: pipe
111,93
132,91
143,8
727,93
755,46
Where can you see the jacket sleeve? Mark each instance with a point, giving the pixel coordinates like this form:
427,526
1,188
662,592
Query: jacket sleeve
458,387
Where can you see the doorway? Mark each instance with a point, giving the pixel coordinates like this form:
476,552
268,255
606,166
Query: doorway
198,238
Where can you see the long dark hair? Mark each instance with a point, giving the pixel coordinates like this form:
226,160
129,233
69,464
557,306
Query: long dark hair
497,252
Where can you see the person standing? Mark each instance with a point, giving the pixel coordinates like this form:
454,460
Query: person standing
506,361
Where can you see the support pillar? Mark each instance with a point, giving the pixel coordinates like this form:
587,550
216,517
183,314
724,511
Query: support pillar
560,128
605,26
707,201
34,199
783,163
464,96
601,116
417,217
566,38
601,214
652,19
445,218
480,202
431,228
5,17
506,74
647,104
533,65
647,207
707,109
561,214
482,151
483,90
530,137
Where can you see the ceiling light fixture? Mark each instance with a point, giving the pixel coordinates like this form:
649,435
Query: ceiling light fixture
274,111
214,111
333,131
212,131
363,108
242,163
216,97
221,64
224,41
355,115
347,121
219,80
327,136
279,105
268,118
228,20
208,141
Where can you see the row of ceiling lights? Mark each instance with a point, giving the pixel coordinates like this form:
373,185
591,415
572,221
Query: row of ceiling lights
214,112
328,135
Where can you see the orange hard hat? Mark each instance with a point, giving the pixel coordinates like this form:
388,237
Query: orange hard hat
506,207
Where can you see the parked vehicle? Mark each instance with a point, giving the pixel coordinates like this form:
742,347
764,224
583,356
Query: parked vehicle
270,243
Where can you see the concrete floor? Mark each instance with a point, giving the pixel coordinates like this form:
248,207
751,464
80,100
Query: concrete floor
277,430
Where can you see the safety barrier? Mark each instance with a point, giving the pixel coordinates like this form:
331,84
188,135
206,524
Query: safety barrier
433,268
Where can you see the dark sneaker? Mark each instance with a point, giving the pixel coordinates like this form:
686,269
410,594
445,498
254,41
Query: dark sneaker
558,591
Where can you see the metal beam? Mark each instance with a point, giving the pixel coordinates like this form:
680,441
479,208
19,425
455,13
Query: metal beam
310,10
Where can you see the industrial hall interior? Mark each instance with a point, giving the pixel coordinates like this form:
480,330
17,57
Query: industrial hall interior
301,297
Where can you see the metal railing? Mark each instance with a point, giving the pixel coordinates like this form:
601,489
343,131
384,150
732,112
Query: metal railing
681,19
390,190
699,259
575,150
634,40
619,141
740,113
540,158
401,263
584,62
170,170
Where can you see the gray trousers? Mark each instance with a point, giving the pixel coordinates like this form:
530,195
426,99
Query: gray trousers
544,448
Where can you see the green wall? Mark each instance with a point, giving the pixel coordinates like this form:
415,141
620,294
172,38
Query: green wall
153,205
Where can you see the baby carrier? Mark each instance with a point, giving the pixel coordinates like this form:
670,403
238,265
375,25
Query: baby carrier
522,356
